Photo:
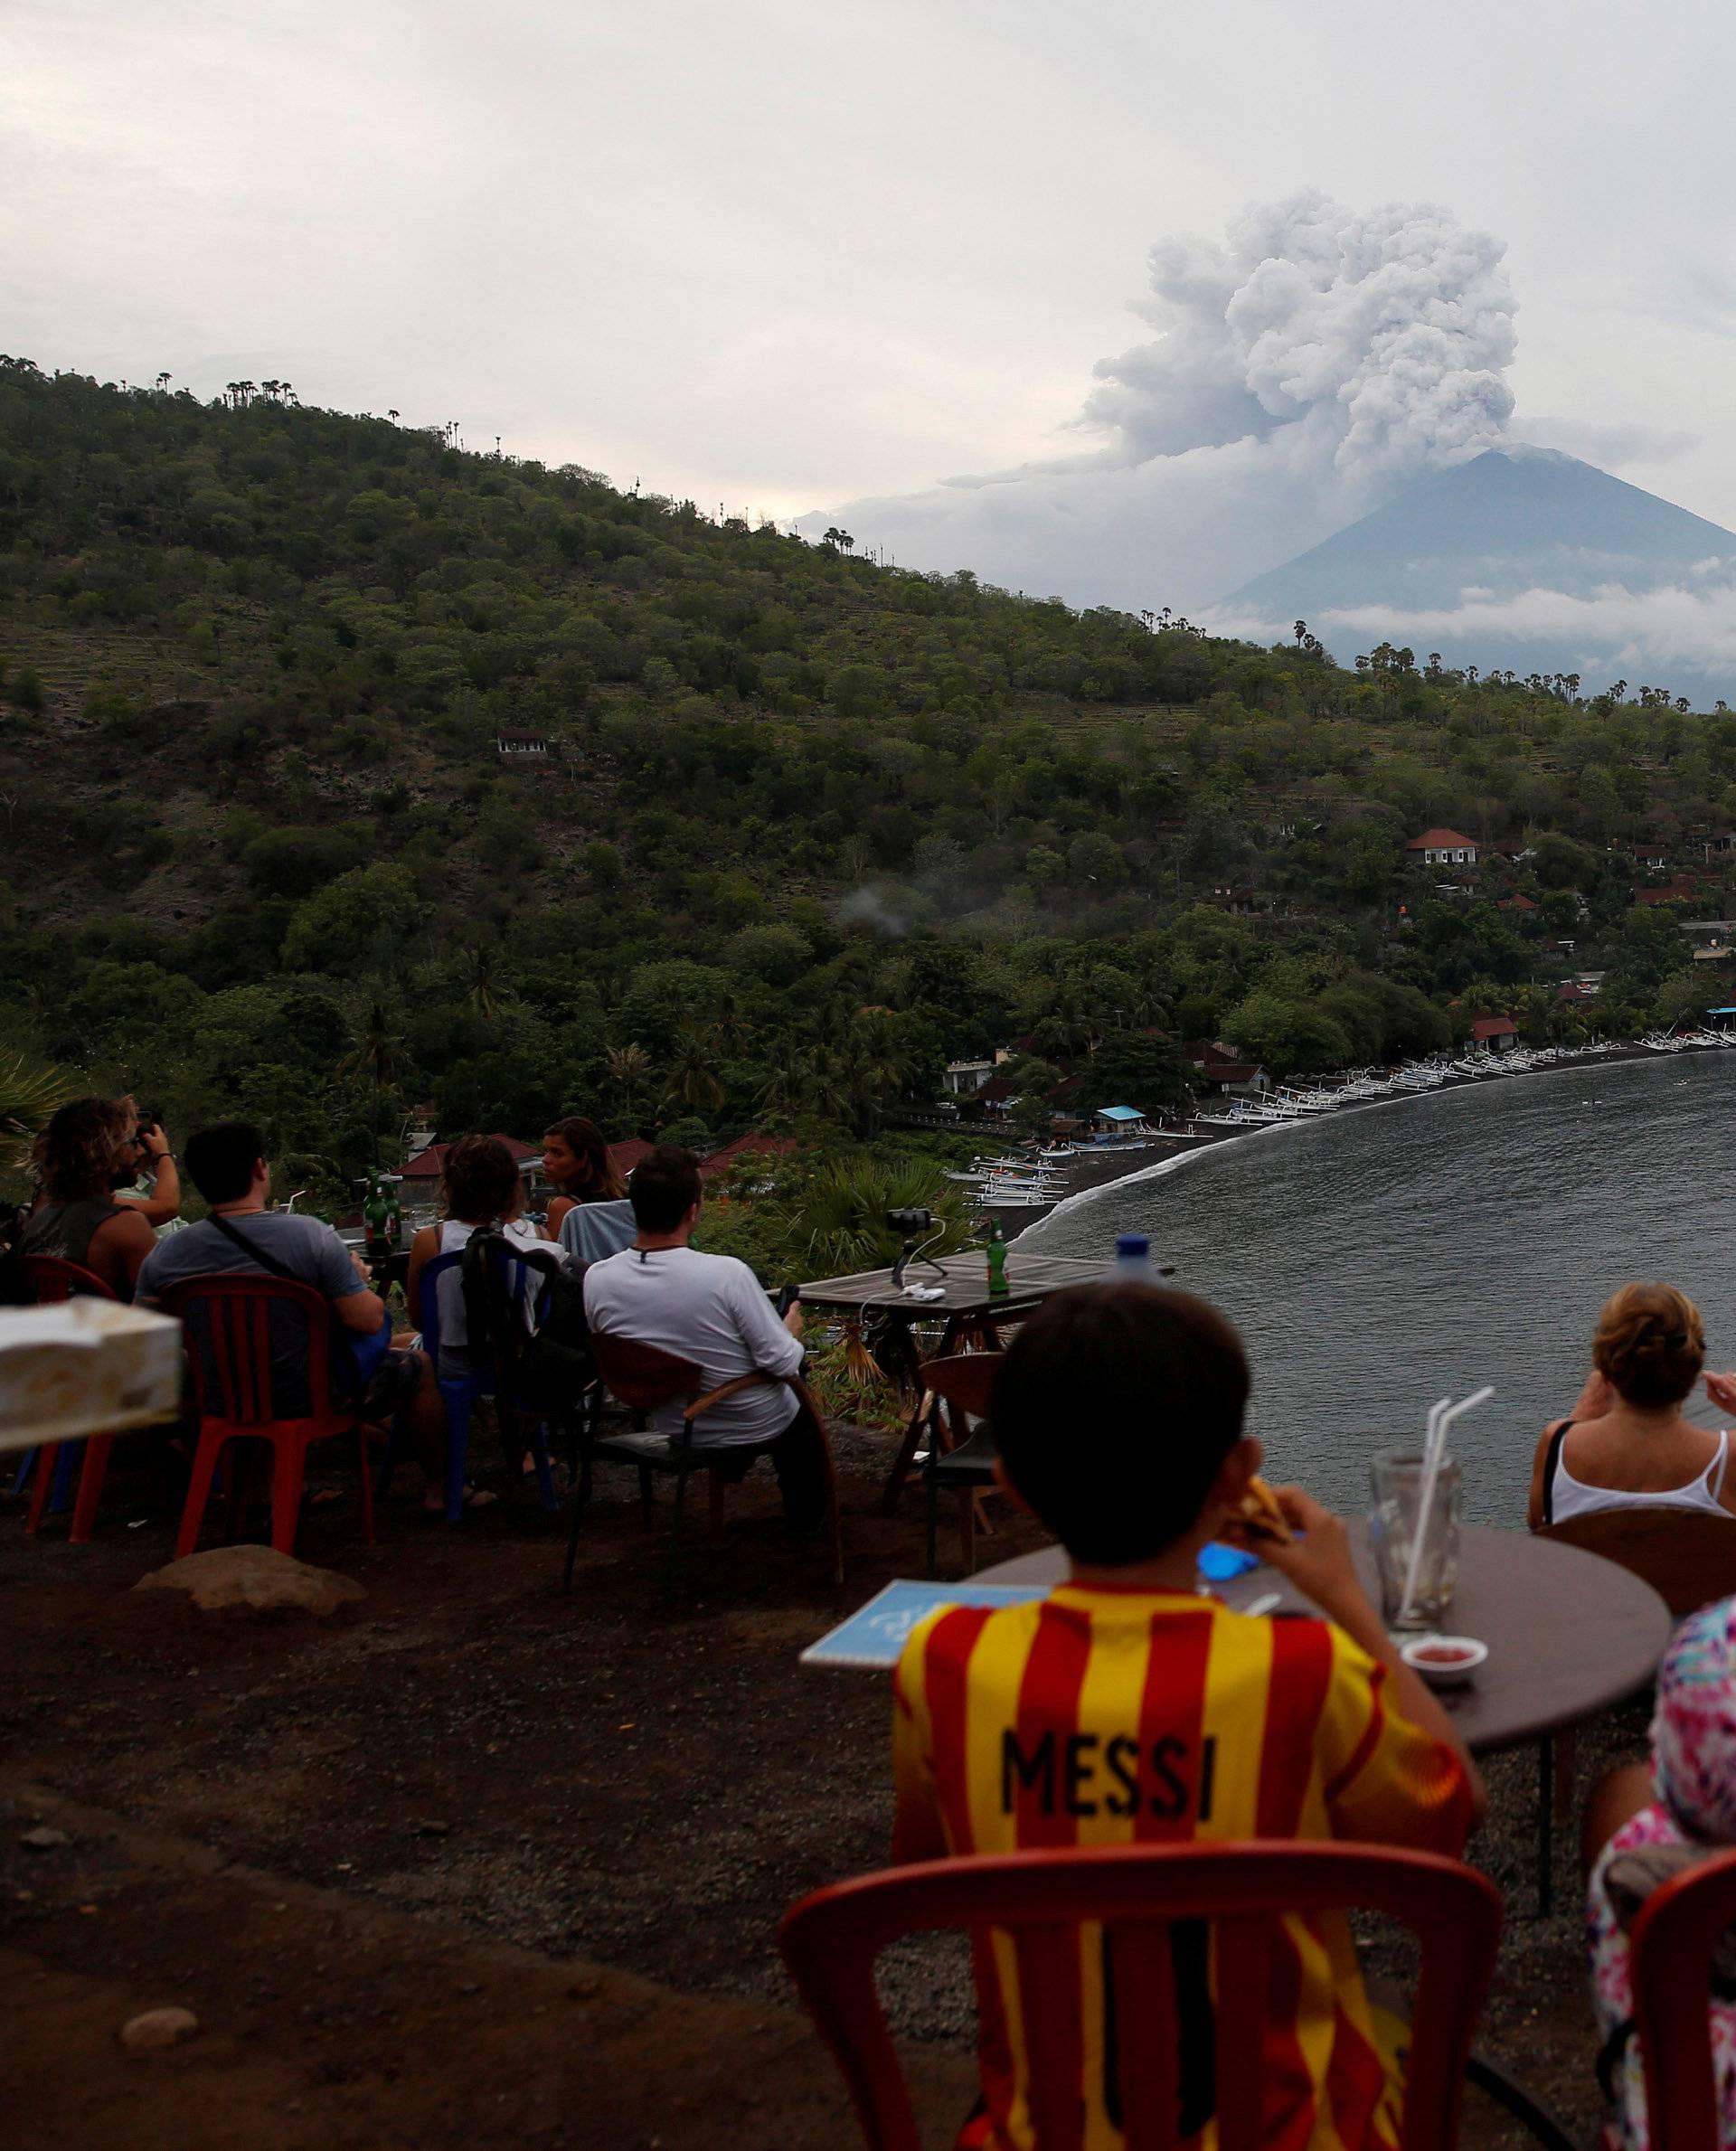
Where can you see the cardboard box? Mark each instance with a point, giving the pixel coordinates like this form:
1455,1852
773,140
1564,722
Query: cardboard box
85,1367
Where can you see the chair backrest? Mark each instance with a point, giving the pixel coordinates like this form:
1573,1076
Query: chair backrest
516,1285
1038,1900
1688,1557
643,1376
966,1379
1670,1964
595,1231
229,1323
427,1311
53,1280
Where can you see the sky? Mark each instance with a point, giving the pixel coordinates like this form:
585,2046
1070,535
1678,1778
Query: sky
785,257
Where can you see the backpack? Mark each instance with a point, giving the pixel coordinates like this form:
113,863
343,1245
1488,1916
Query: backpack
548,1366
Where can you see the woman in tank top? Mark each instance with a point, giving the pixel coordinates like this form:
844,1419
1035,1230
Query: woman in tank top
1626,1444
76,1160
481,1186
577,1164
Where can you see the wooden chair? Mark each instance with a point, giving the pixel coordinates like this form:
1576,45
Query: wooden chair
228,1320
831,1938
1670,1965
643,1378
53,1282
1688,1557
956,1391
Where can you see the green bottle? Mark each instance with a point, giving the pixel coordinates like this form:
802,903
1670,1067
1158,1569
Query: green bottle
998,1286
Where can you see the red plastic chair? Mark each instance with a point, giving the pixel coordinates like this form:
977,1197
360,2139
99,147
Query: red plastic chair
1670,1964
831,1939
229,1323
53,1282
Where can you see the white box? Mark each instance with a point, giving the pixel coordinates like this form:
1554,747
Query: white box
85,1367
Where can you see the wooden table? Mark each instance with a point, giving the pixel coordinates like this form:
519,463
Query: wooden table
1569,1635
966,1306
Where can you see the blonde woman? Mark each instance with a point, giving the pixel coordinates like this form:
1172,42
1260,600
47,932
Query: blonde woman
1626,1445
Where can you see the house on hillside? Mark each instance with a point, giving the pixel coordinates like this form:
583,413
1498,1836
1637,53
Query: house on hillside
1713,939
1720,842
524,747
1494,1034
1220,1072
1516,904
965,1078
1650,855
752,1147
1442,847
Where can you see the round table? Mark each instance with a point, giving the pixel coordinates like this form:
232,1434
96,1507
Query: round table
1568,1632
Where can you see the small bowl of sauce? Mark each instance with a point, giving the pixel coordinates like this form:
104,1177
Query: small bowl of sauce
1444,1661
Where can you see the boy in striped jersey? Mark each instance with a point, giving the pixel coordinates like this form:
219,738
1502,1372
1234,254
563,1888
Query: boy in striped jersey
1126,1708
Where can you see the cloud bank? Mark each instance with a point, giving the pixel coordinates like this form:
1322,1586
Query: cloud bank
1304,368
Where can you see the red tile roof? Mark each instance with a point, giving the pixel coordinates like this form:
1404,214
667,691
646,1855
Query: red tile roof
1494,1027
431,1163
1516,904
753,1144
624,1155
1441,840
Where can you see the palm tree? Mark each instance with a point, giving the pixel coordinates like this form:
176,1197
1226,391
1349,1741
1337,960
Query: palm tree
485,992
692,1081
163,379
377,1050
393,415
627,1068
28,1095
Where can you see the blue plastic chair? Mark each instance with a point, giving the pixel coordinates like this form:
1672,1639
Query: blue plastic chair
459,1394
595,1231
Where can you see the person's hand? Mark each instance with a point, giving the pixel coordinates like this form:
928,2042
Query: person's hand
1721,1389
793,1318
1317,1560
153,1141
362,1269
1596,1398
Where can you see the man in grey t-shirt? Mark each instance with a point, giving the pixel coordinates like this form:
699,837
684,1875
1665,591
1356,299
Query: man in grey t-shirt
710,1309
226,1164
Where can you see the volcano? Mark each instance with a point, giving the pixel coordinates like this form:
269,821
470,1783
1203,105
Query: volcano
1522,557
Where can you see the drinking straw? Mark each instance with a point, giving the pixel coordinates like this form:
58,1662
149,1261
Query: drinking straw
1434,1449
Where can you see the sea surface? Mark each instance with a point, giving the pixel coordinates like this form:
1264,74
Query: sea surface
1378,1259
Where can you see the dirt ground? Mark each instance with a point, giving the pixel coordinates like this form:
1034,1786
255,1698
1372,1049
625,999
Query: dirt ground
481,1864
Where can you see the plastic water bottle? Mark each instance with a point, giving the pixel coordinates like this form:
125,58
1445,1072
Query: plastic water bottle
1133,1264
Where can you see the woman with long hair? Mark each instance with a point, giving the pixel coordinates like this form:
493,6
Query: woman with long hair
1626,1445
86,1148
576,1160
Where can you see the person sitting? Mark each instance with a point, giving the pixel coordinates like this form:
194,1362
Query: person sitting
1626,1443
86,1147
1643,1825
226,1163
481,1187
710,1309
150,1180
1126,1708
576,1159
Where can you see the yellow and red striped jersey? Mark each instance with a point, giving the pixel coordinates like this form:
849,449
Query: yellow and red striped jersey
1100,1717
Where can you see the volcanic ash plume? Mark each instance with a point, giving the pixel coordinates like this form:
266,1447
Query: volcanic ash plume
1307,364
1383,335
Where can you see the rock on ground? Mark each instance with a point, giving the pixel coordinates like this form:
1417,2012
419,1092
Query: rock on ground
254,1580
154,2028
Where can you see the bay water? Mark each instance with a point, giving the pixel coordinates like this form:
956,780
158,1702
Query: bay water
1379,1257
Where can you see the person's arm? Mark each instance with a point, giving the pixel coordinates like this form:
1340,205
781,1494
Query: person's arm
770,1346
343,1278
558,1209
1318,1561
1539,1466
118,1247
421,1253
165,1203
362,1312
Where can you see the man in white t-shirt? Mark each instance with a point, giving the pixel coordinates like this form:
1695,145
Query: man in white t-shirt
712,1310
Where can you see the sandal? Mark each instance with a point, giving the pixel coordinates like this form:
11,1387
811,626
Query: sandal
475,1497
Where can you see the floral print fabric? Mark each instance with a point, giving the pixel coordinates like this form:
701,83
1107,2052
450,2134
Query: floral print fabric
1694,1778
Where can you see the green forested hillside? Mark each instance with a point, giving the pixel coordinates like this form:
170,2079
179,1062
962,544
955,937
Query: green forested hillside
808,828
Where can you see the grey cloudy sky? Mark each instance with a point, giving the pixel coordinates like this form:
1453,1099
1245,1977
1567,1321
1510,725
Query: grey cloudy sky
788,254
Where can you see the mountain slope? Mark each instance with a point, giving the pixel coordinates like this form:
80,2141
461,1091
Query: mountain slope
1509,521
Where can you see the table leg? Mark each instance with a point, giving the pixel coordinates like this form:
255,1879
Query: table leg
911,1440
1545,1824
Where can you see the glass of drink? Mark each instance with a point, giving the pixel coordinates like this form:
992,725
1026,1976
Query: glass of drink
1395,1481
